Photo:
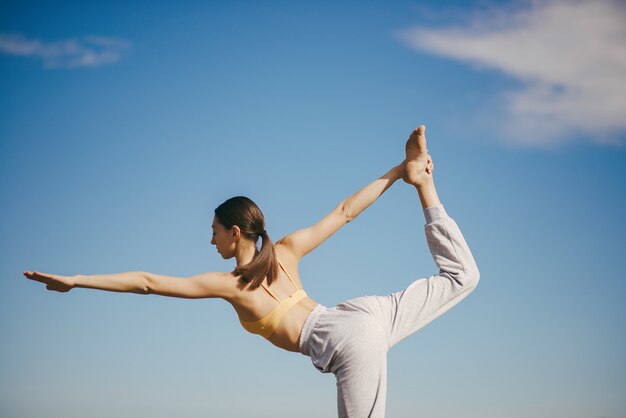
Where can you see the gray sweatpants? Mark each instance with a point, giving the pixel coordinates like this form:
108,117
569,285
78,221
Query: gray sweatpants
351,340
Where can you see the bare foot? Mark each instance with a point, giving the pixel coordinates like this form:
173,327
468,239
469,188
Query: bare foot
418,164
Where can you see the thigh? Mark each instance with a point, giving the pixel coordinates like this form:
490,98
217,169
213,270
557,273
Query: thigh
361,374
404,312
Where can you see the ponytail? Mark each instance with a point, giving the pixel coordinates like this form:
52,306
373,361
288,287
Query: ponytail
244,213
263,264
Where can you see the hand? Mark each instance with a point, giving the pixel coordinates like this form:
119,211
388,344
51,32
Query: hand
52,281
418,165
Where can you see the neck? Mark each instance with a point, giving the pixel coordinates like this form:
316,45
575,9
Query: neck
244,253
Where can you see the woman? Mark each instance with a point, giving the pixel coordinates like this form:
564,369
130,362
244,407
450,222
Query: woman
350,340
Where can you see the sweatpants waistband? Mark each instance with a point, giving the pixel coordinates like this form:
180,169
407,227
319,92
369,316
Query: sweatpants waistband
307,328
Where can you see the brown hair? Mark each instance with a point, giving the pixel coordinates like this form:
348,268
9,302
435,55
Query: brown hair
244,213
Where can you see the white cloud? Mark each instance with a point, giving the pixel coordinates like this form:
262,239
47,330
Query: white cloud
569,55
90,51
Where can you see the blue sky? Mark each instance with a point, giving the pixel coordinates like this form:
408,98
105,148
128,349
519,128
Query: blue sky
123,126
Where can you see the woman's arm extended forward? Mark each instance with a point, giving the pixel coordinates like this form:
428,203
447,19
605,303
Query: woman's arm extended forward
132,281
203,285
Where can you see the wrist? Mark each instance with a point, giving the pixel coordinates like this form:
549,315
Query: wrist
75,280
397,171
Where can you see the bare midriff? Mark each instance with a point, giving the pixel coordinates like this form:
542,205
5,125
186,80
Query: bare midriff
287,335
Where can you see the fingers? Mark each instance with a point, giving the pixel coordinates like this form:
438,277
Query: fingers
51,281
430,167
33,275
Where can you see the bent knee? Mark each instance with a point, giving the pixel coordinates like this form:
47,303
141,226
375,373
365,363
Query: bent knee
466,279
472,278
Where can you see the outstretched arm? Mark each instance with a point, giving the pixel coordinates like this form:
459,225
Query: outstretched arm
416,169
362,199
307,239
204,285
132,281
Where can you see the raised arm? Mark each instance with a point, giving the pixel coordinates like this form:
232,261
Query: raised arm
306,240
416,169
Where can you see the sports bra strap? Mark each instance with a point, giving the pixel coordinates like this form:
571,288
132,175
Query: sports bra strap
270,292
288,275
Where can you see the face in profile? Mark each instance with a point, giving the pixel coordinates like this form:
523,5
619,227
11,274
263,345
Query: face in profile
223,239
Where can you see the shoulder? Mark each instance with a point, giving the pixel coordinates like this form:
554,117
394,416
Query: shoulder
285,252
289,260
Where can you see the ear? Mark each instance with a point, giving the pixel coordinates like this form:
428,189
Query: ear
236,232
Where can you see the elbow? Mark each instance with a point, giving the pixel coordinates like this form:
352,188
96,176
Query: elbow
145,286
347,215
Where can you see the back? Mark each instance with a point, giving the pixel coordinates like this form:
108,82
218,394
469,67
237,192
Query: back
266,325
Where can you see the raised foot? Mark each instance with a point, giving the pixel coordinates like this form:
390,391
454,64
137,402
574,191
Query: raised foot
418,165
